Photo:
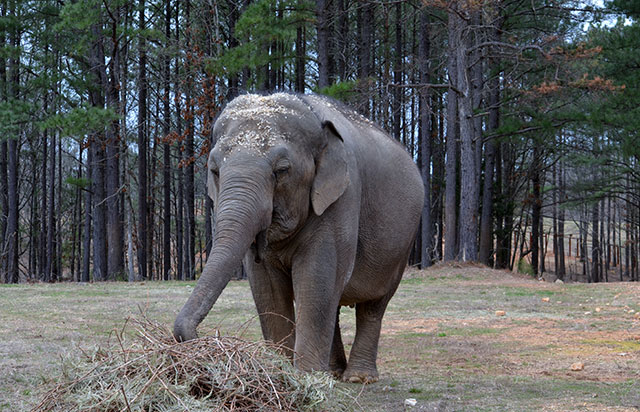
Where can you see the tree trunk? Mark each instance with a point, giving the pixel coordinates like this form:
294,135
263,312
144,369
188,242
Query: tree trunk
543,243
506,206
583,257
438,174
88,218
450,208
365,22
234,14
603,274
12,221
486,219
154,262
33,222
51,215
486,242
75,225
323,16
42,270
627,225
595,243
59,221
561,199
166,172
100,268
12,234
4,188
4,205
132,277
190,258
300,58
115,241
468,178
97,70
554,210
608,245
501,258
620,246
475,64
536,206
142,149
398,93
180,171
426,252
342,40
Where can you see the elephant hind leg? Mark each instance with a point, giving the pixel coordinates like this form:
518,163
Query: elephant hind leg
361,367
338,360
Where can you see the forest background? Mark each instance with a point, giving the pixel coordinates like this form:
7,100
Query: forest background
523,117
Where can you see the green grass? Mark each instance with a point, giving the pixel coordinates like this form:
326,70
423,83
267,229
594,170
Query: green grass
628,346
529,292
470,331
441,342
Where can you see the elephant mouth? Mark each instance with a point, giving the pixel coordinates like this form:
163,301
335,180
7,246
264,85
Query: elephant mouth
259,246
283,225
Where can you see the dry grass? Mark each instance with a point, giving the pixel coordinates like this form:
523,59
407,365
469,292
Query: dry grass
153,372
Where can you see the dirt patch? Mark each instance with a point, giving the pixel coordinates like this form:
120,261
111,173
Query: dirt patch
413,325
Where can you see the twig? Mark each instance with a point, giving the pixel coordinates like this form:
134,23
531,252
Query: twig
126,401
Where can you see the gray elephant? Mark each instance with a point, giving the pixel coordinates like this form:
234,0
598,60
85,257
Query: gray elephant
324,207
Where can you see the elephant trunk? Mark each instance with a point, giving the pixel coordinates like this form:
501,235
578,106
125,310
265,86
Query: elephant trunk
243,212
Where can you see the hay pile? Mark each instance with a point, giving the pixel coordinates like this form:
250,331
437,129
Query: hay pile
152,372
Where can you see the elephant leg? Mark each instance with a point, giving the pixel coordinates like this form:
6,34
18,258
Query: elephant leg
273,295
316,296
338,360
361,367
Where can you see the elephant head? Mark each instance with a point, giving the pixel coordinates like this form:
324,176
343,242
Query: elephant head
275,163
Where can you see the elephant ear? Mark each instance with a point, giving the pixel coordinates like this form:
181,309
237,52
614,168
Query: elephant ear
212,191
332,177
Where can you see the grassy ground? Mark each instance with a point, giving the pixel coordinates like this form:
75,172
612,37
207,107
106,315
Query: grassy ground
442,342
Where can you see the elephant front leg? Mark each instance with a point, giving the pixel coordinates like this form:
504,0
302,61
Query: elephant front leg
338,360
273,295
316,297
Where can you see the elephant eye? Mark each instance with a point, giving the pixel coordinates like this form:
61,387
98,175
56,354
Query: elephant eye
216,173
281,171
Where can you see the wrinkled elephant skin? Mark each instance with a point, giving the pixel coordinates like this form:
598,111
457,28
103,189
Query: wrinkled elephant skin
323,207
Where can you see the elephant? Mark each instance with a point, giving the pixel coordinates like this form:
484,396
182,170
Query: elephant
322,207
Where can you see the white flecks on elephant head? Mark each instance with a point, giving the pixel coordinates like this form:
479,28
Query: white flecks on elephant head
258,117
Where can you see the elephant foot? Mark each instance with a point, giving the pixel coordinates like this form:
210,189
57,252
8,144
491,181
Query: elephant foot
337,373
362,376
337,369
